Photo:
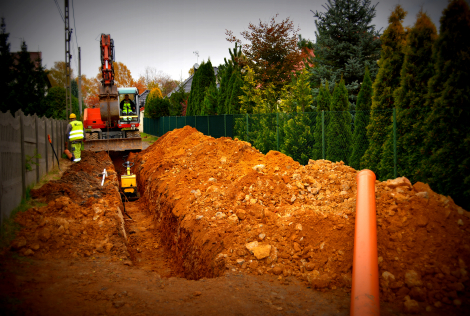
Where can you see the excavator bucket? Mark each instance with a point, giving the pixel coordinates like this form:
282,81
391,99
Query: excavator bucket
114,144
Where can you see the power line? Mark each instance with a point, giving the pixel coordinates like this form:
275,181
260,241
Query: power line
60,12
73,14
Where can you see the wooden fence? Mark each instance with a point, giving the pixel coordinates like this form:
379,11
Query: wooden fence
23,137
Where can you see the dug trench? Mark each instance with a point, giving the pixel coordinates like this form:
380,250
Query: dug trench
222,229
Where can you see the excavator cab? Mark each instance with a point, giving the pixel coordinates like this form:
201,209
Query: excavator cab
126,114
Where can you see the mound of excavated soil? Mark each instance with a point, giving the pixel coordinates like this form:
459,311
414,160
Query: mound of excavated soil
221,204
81,217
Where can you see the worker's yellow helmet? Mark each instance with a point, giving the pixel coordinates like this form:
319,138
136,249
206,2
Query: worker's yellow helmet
72,116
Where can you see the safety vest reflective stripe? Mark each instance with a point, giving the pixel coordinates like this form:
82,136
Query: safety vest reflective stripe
77,131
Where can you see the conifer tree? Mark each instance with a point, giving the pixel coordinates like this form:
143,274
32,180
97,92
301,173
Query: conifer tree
387,80
360,143
29,86
233,105
6,65
321,121
209,106
202,79
346,43
410,99
447,142
339,127
177,98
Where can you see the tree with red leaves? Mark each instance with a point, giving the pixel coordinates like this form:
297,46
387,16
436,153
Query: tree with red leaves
272,51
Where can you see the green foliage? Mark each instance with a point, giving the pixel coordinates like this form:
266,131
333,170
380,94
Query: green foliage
346,44
360,143
176,99
209,105
297,136
29,85
157,107
297,96
321,121
339,127
447,142
254,99
74,88
202,79
32,160
410,99
387,80
6,66
55,101
224,74
233,105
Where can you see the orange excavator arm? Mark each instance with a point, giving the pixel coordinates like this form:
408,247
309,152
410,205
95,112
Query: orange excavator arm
107,58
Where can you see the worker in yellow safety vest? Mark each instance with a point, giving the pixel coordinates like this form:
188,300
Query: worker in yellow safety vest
127,106
76,135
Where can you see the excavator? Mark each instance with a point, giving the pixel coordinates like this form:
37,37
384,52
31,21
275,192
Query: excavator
108,127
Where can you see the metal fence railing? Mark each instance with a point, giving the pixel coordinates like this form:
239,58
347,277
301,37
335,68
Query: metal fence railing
212,125
335,136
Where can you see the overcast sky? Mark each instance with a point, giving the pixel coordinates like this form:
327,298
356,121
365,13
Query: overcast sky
164,34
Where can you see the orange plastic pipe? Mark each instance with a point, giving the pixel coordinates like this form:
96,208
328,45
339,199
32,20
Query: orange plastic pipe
365,276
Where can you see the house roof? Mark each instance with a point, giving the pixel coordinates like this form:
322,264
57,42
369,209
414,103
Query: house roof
188,82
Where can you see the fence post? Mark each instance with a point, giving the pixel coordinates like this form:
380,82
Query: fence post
37,146
277,130
45,144
247,127
323,132
23,157
395,143
225,125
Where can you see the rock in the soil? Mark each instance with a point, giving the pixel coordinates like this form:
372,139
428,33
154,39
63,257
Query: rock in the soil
387,279
411,307
399,182
35,247
258,168
297,247
261,236
28,252
240,261
197,293
220,215
298,227
423,195
413,279
422,221
233,219
251,245
45,234
199,217
241,214
262,251
309,266
418,294
212,180
19,243
460,222
118,304
277,270
127,262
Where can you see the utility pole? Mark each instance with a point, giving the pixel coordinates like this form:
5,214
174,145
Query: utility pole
68,57
80,82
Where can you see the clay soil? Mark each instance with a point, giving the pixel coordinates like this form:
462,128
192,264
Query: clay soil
221,229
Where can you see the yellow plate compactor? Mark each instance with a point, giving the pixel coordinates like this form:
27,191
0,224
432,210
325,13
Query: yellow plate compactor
129,183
